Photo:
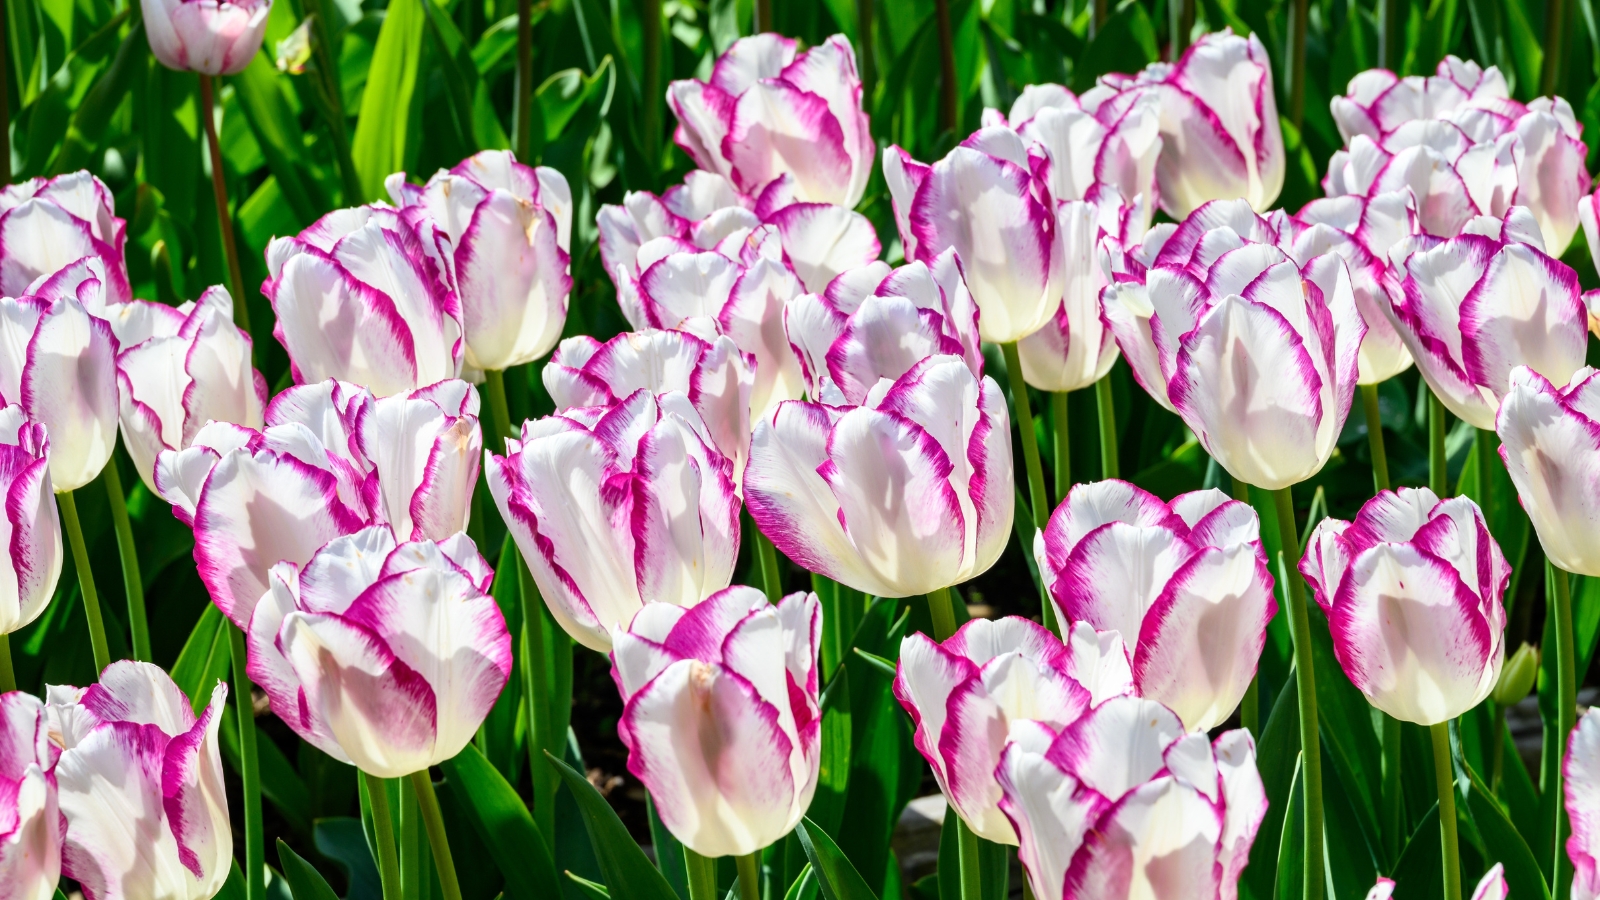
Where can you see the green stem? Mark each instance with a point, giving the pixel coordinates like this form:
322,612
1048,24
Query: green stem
434,821
767,556
749,875
1030,442
219,191
947,73
410,855
1444,777
1391,789
524,86
1177,20
1297,110
536,690
1487,457
255,858
971,864
1250,708
91,597
1438,474
1554,35
1566,715
1109,467
1306,687
383,835
1380,458
702,875
8,676
1241,491
1497,732
653,98
864,51
942,607
132,583
499,410
1063,449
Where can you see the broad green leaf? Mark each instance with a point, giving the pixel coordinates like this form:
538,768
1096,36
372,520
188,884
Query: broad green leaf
1418,874
305,882
205,658
505,826
949,870
459,71
280,783
1344,721
669,852
837,878
1290,880
1277,755
878,663
804,886
385,126
627,871
341,839
1504,844
1126,42
590,889
93,115
278,132
833,775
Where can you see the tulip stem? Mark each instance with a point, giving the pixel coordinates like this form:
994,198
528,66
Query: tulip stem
1438,476
749,875
1063,460
219,190
702,874
91,597
255,857
1444,777
1391,789
433,820
1306,687
1030,441
536,691
524,88
970,862
1497,758
383,835
132,583
1380,458
947,78
771,580
1250,708
499,410
1485,475
1109,467
942,607
1566,715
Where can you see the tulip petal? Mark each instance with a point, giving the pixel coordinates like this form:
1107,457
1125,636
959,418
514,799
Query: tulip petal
1581,773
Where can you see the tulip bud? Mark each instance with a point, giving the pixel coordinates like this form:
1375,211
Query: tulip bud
770,115
963,696
1120,560
721,714
905,494
31,530
1547,437
294,51
1492,886
30,816
382,654
1123,798
212,37
1516,676
140,780
1412,592
616,508
509,229
1580,773
1382,890
194,368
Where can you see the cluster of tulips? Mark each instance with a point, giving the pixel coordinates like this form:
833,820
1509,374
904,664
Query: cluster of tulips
779,367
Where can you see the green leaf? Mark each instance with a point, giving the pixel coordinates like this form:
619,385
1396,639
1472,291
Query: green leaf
833,775
459,71
280,783
561,96
341,839
1418,873
589,888
385,126
93,115
1291,843
278,132
1277,759
504,824
204,659
1504,844
627,871
883,666
305,882
838,879
805,885
669,852
1126,42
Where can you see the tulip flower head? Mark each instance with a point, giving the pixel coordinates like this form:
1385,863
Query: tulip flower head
905,494
1580,773
212,37
1219,122
770,115
617,508
383,654
1474,307
700,212
359,298
140,786
874,322
508,228
721,715
192,369
1123,803
713,374
30,529
332,460
47,224
1412,589
963,696
30,815
1258,354
1185,585
1549,437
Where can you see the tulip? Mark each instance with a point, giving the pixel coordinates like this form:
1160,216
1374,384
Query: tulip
1219,123
58,363
31,529
1258,354
30,816
721,715
1412,591
358,298
1126,311
1382,890
140,780
193,369
1492,886
983,201
509,229
1549,161
331,461
1580,770
616,508
383,654
769,115
212,37
1548,437
1454,179
714,375
906,494
46,224
964,697
1473,308
699,213
1186,585
1122,803
874,322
